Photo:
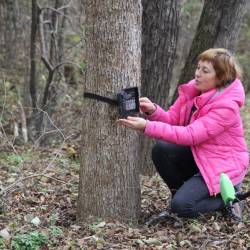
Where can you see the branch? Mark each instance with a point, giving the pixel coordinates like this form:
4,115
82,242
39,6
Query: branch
50,79
14,186
58,11
47,63
10,187
68,62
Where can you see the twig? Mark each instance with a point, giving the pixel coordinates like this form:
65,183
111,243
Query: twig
52,123
63,136
58,11
8,189
204,244
1,125
231,238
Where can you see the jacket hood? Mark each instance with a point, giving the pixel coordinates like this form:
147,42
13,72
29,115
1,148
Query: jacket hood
234,92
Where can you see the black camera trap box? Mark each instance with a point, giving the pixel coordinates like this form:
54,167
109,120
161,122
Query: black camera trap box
128,102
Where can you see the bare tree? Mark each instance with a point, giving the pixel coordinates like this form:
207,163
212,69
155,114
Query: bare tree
109,174
219,26
49,24
160,21
52,55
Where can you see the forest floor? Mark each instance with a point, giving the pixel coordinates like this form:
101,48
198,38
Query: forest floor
39,211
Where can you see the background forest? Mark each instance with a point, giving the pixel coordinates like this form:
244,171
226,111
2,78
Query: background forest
41,87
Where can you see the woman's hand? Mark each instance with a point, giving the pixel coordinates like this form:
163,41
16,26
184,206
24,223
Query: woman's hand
147,106
135,123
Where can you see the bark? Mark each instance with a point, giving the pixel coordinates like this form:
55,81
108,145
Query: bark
33,79
62,28
109,176
8,29
11,33
3,27
52,31
219,26
160,22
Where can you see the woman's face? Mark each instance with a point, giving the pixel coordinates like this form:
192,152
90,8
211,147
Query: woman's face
205,76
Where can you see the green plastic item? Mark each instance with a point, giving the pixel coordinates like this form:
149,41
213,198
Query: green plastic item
226,189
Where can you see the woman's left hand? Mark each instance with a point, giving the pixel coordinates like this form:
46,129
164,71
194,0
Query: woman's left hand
135,123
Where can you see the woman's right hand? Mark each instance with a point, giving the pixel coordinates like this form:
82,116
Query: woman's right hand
147,106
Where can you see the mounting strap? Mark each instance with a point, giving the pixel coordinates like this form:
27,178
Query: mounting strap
101,98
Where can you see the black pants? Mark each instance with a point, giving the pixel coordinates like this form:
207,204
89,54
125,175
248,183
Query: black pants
177,167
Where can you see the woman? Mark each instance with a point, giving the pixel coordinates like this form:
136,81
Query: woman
201,135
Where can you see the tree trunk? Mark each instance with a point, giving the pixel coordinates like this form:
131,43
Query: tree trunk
11,34
160,21
219,26
33,78
109,177
61,35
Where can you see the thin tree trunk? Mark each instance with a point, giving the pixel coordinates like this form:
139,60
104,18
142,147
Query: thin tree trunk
11,31
109,175
219,26
160,22
62,28
33,79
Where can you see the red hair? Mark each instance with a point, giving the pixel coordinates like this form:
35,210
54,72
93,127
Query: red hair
225,65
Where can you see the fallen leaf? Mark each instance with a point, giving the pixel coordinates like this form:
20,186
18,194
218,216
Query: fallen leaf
36,221
152,241
4,233
185,242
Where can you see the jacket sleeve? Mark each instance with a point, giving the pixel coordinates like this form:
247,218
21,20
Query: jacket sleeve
204,128
171,116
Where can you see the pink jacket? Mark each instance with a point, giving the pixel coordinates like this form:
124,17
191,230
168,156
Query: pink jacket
215,131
